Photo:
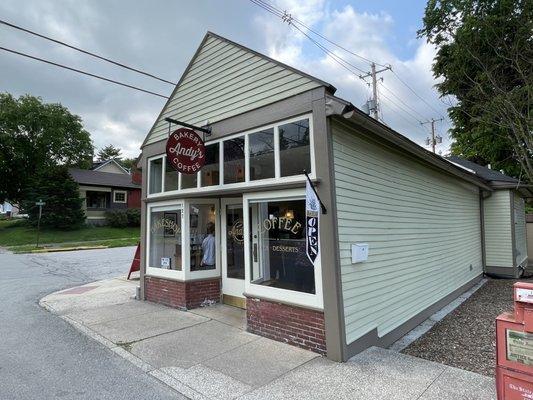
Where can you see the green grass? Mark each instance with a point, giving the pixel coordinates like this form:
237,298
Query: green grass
30,248
18,233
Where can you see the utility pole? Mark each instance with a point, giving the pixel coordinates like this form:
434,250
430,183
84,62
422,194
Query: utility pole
373,107
434,138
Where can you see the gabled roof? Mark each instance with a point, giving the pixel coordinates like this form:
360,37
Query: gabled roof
100,164
224,79
483,172
98,178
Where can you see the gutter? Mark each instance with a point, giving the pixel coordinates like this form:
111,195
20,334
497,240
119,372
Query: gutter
339,108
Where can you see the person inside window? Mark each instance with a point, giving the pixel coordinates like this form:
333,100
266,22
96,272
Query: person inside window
208,247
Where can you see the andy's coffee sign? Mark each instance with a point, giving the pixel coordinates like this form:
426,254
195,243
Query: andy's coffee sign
186,151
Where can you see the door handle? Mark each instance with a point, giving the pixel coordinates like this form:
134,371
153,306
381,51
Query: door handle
255,252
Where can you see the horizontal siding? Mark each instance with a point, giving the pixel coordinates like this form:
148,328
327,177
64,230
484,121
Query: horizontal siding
498,235
423,230
225,80
520,229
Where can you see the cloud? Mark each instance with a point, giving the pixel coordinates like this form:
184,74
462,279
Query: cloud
368,35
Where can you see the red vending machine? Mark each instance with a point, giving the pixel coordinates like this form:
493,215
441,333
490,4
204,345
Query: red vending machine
514,347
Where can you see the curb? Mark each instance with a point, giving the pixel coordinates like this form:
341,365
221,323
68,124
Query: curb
147,368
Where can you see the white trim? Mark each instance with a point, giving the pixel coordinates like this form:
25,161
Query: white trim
231,286
124,192
304,299
159,272
247,182
126,171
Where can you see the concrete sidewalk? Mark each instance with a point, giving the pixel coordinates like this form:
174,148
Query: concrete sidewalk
207,354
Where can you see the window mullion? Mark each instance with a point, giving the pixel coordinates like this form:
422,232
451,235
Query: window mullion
246,158
277,167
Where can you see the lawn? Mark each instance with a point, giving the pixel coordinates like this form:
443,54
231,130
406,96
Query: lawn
17,236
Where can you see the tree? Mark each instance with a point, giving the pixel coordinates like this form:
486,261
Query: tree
129,163
63,208
109,152
485,48
34,137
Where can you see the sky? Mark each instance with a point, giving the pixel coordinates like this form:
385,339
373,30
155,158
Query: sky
160,37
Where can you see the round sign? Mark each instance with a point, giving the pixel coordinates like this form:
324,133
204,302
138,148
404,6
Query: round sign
186,151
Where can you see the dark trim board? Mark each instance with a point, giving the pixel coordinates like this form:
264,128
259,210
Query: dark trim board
372,339
503,272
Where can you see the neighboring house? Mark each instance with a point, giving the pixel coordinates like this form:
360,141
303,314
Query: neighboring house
8,209
504,220
418,216
108,186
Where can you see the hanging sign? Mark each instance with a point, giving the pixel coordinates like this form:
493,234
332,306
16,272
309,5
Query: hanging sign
312,212
186,151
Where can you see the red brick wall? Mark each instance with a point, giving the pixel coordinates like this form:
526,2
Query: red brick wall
178,294
294,325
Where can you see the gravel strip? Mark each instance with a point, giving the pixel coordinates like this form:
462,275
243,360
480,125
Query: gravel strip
466,337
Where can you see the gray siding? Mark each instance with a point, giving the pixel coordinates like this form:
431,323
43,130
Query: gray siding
498,235
520,230
422,226
225,80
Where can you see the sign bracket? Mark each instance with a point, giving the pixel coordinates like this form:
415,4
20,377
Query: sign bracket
205,130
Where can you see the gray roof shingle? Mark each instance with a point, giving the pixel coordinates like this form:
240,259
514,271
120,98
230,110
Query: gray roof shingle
97,178
483,172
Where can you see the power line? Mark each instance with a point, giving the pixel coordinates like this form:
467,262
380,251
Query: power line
85,51
416,94
287,16
404,103
82,72
339,60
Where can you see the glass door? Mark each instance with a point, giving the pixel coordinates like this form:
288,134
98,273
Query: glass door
232,252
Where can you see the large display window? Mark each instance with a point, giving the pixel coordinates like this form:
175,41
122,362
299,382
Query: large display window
278,153
277,266
182,239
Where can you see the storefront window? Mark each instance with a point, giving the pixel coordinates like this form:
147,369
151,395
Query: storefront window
165,239
189,181
171,178
202,224
211,169
155,178
235,242
294,148
234,160
278,257
261,149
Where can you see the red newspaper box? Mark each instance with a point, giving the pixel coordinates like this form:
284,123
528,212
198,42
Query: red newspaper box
514,347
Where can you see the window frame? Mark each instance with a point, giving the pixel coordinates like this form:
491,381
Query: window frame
247,181
185,273
316,300
124,192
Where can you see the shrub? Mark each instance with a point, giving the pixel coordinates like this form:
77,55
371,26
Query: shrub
63,208
117,218
134,216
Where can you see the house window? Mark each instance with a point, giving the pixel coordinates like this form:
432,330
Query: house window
96,199
171,177
234,160
211,169
275,152
261,150
294,148
165,239
119,196
155,176
278,258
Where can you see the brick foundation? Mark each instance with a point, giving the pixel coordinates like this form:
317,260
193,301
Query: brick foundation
178,294
290,324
